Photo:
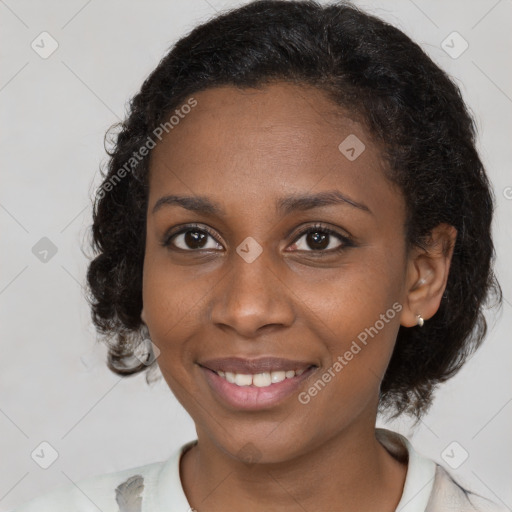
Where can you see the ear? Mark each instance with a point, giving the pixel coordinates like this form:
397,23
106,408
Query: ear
427,275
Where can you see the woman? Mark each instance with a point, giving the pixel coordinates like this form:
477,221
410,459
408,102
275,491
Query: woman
296,217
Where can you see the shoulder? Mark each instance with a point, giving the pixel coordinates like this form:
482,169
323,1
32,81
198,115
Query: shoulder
449,495
428,486
110,492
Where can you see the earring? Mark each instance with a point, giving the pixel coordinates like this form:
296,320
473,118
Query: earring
145,351
420,320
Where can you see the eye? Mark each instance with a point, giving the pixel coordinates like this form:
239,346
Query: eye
319,238
192,238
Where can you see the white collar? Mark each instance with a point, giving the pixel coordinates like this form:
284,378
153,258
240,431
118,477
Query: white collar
421,471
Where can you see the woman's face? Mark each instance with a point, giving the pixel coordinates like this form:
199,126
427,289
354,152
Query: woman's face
234,289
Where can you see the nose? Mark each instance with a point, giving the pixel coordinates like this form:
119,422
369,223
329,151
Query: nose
252,298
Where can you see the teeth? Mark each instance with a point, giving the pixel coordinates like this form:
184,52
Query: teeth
243,380
277,377
260,380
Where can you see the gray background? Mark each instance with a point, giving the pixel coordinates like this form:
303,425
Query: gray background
55,386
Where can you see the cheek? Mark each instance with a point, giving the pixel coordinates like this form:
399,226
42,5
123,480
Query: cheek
171,301
350,298
358,327
355,311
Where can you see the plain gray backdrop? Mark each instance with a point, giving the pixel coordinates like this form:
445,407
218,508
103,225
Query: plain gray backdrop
56,103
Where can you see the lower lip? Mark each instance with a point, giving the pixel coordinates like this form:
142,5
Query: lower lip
253,397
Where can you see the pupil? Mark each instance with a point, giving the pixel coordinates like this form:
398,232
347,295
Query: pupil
317,241
193,238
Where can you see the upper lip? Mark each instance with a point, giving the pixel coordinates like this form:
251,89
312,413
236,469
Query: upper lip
254,366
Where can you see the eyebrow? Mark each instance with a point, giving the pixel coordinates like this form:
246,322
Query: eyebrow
284,205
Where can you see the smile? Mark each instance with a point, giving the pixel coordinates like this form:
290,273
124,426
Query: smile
255,384
260,380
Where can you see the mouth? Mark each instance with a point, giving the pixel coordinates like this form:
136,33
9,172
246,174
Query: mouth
260,380
255,384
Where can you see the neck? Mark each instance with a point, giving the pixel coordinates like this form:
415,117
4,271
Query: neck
349,472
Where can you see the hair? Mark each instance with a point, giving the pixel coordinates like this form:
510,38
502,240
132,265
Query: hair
409,106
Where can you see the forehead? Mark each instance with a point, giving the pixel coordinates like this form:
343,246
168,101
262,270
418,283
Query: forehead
251,116
281,137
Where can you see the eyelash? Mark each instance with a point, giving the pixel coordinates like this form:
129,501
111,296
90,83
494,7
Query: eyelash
346,241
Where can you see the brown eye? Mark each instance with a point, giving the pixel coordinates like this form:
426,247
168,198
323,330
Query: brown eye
321,239
317,241
191,238
195,239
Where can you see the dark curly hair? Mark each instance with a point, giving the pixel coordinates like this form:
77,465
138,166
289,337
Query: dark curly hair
411,108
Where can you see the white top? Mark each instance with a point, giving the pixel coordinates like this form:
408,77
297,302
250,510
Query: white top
157,487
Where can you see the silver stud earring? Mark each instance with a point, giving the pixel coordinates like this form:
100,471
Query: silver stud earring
420,320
